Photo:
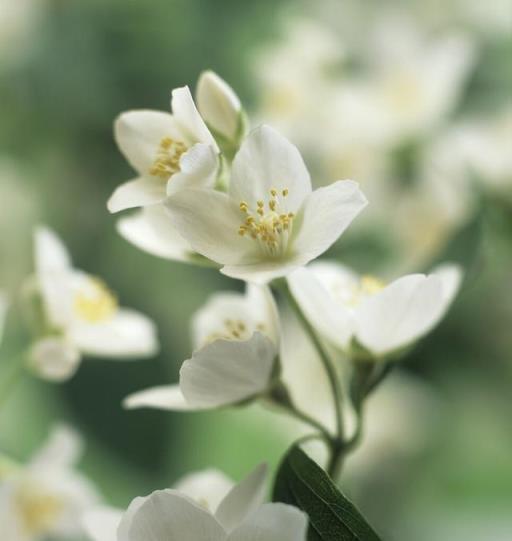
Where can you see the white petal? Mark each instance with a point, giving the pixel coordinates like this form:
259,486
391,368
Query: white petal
207,487
226,372
198,169
54,358
218,104
267,160
329,317
243,499
451,276
166,515
150,230
50,252
210,221
264,305
189,119
273,522
139,133
165,397
139,192
261,272
326,214
127,334
101,524
62,449
401,313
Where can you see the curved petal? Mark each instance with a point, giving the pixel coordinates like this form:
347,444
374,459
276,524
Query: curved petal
273,522
267,160
150,230
138,134
261,272
165,397
170,516
101,524
261,299
54,358
198,169
451,276
226,372
50,252
243,499
207,487
329,317
62,449
210,221
189,119
401,313
127,334
327,212
139,192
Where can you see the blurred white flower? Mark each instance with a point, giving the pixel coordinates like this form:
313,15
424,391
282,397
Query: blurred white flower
168,151
220,107
345,307
79,315
235,514
236,343
47,496
271,222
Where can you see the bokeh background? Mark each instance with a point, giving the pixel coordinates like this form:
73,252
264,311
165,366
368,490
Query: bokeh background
413,99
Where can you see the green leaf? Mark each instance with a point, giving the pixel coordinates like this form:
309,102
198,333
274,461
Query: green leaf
332,517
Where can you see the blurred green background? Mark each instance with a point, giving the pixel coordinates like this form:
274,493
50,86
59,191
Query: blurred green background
67,68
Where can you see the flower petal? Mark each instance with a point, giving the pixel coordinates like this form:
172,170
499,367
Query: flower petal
273,522
139,133
210,221
168,515
189,119
139,192
127,334
451,276
261,272
198,169
327,212
150,230
50,252
165,397
401,313
226,372
329,317
243,499
62,449
267,160
101,524
54,358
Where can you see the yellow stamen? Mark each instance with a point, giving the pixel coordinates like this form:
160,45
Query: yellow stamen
168,155
95,303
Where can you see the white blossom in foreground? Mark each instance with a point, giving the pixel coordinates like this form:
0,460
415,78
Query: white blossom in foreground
168,151
78,315
220,107
46,497
271,221
195,512
349,309
236,344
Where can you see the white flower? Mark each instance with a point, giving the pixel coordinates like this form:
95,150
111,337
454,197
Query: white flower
382,319
170,514
80,316
47,496
219,106
236,341
4,304
168,151
271,221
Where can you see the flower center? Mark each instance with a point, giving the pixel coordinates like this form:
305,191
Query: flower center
368,285
270,227
234,329
95,302
38,509
168,155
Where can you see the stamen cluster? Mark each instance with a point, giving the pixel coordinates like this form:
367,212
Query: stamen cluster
168,157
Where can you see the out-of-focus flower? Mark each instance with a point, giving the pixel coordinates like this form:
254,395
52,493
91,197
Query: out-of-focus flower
236,343
220,108
75,313
271,222
47,496
190,513
168,151
355,312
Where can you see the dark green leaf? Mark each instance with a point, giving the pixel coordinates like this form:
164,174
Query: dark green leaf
332,517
